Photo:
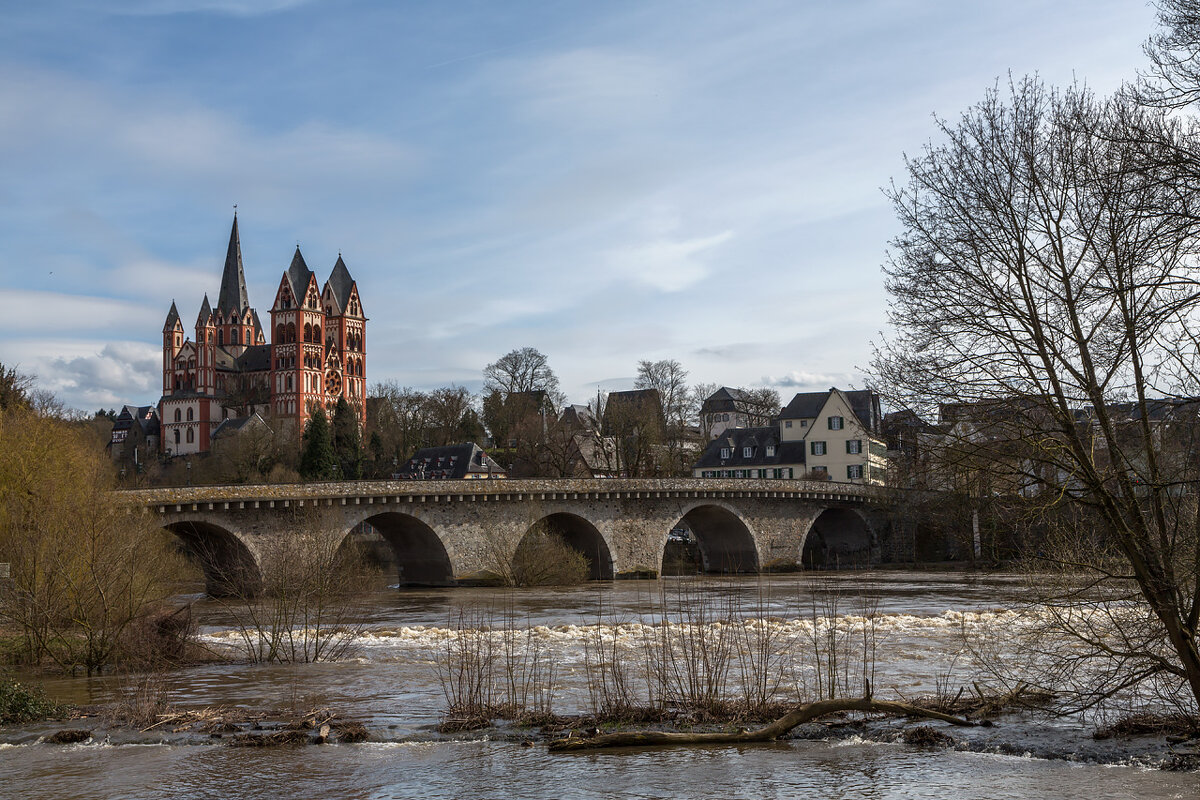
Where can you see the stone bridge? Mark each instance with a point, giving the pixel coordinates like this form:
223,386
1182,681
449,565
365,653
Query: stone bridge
443,532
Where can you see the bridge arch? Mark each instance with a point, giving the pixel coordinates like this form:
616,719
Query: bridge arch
579,534
839,538
230,568
421,557
727,544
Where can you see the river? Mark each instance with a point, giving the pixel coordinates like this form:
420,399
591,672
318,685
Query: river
391,682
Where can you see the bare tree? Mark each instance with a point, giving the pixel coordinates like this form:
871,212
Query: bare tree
1173,80
669,378
1044,291
523,370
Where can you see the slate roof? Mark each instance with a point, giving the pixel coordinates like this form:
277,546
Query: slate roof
233,296
863,402
172,319
736,439
579,417
144,418
298,275
723,399
636,400
205,313
341,284
255,358
452,462
234,425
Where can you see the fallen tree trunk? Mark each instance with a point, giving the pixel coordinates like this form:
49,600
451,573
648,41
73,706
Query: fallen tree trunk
798,716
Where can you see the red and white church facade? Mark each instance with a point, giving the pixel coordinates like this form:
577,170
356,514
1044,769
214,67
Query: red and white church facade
317,355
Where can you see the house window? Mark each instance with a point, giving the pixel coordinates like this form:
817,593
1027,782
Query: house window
836,423
190,415
854,472
191,435
724,452
803,423
176,436
770,451
178,415
820,471
818,448
854,446
787,423
747,452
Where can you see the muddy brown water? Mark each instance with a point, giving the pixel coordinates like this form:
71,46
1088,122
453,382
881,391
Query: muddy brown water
391,683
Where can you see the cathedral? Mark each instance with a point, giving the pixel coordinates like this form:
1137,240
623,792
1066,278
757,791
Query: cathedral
228,371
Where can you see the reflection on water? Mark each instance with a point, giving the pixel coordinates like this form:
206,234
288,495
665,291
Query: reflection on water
393,686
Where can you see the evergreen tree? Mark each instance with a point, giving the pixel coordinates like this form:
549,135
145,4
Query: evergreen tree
347,445
316,450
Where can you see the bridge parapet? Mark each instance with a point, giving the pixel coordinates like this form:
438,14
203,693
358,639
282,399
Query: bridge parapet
484,490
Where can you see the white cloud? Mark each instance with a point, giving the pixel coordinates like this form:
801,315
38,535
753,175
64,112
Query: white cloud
808,380
34,312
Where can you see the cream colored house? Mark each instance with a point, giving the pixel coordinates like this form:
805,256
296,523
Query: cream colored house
833,434
841,432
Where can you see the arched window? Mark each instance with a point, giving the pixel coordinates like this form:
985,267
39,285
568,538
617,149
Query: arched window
289,383
191,435
233,336
178,416
291,332
176,433
279,331
190,416
317,334
307,332
221,338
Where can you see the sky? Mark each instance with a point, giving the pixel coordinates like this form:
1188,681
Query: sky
607,182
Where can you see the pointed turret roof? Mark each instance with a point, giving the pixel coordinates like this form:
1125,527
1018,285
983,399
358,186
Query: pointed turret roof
233,296
298,275
341,284
172,319
205,313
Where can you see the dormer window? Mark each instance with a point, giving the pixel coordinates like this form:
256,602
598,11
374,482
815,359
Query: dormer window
747,452
724,452
770,451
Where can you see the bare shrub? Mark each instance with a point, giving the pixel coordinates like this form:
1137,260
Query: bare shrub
545,559
306,609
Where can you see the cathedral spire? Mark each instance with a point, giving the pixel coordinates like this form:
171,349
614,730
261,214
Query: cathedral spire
172,319
233,295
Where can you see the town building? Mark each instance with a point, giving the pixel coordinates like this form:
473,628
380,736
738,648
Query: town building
317,354
834,435
465,461
733,408
134,438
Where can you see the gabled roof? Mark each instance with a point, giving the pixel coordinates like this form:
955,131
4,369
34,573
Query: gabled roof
579,417
805,405
144,418
298,275
233,296
723,399
172,319
235,425
340,284
619,404
451,462
863,402
735,440
255,358
205,313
